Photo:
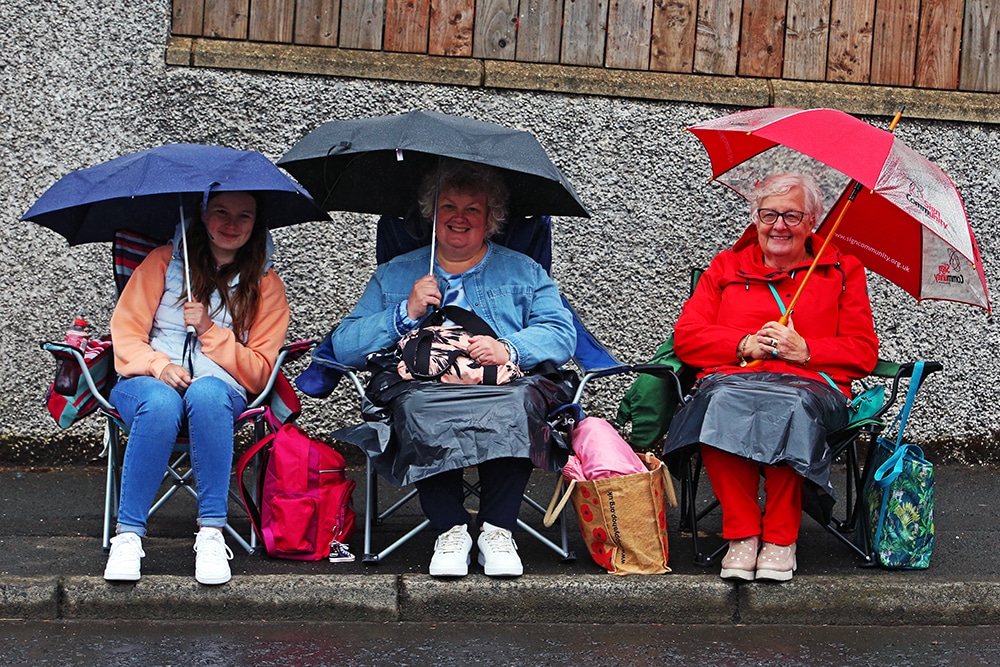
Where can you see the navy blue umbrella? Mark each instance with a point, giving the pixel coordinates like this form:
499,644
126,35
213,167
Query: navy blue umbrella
147,192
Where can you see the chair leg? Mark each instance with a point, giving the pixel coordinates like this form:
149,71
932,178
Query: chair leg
112,484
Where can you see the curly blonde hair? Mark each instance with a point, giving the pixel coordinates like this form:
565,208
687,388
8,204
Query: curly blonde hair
467,178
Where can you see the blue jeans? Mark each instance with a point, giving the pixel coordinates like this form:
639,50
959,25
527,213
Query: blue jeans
154,413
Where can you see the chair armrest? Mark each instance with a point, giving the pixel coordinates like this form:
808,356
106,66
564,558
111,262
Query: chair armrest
66,353
897,373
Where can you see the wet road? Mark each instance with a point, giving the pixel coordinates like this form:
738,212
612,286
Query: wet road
401,644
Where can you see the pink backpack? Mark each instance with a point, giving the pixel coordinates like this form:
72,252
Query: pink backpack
305,497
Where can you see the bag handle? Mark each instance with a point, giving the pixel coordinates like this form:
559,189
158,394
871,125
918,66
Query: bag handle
556,506
911,394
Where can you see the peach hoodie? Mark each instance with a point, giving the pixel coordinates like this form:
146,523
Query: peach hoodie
249,364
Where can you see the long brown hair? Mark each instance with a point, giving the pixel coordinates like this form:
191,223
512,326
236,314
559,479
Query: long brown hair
206,279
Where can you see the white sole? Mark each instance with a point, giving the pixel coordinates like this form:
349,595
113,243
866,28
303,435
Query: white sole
742,575
128,576
774,575
500,572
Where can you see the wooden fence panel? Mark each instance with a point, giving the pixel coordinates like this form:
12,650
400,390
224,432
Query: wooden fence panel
451,27
584,27
226,18
717,38
316,22
850,50
495,31
894,54
539,31
762,40
938,43
272,21
188,17
629,30
361,24
672,43
406,24
807,39
980,69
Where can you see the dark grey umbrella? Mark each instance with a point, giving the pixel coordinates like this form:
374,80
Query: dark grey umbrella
375,165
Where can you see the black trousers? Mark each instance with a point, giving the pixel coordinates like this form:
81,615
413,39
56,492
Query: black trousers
502,484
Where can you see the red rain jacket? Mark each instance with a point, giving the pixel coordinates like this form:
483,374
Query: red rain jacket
732,299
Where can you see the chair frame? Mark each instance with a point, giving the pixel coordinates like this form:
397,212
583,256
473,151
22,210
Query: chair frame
178,473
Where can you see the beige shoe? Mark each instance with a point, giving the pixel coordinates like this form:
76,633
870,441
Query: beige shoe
776,563
741,559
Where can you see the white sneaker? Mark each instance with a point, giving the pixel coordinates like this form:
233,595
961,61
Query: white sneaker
212,556
125,559
451,553
498,552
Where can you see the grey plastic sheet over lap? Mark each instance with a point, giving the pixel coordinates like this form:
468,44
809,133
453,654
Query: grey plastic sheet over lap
771,418
434,427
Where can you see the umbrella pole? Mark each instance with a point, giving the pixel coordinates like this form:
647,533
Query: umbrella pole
826,242
833,230
189,336
434,218
783,320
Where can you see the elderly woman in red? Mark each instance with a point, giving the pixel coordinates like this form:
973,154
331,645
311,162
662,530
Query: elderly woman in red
771,417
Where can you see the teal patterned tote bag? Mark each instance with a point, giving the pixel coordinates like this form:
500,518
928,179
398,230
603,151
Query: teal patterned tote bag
900,498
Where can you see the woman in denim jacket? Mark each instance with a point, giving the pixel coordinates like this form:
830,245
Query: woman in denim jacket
515,296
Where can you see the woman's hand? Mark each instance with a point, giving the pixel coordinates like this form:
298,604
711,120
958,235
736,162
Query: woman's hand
424,294
196,315
176,377
488,351
777,341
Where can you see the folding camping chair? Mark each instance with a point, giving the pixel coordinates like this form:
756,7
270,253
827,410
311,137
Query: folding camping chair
129,249
846,444
533,237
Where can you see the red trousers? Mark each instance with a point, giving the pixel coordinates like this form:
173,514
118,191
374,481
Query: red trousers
736,481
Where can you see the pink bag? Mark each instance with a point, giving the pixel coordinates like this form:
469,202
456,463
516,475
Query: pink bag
599,452
305,497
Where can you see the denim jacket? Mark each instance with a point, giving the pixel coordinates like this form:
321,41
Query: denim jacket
509,290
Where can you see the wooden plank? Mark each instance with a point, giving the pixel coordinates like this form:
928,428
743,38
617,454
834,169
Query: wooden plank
584,27
672,44
188,16
939,43
272,21
629,31
980,69
806,39
316,22
762,38
495,31
717,38
539,31
226,18
361,24
451,28
850,50
406,25
894,43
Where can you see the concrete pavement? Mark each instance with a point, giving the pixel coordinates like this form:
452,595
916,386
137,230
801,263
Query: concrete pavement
51,564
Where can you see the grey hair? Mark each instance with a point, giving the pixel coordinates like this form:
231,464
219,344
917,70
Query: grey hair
779,184
468,178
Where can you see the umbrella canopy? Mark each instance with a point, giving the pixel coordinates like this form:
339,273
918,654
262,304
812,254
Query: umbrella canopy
375,165
907,224
144,192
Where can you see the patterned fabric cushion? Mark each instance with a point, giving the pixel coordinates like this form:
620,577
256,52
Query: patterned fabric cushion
129,250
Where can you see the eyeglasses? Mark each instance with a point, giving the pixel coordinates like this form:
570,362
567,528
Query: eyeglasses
769,216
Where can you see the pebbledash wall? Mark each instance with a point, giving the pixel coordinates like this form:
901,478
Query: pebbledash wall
83,81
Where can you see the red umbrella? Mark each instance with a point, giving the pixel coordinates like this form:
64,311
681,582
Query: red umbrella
906,222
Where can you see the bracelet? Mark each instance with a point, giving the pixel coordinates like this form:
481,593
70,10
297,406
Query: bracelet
808,354
741,348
